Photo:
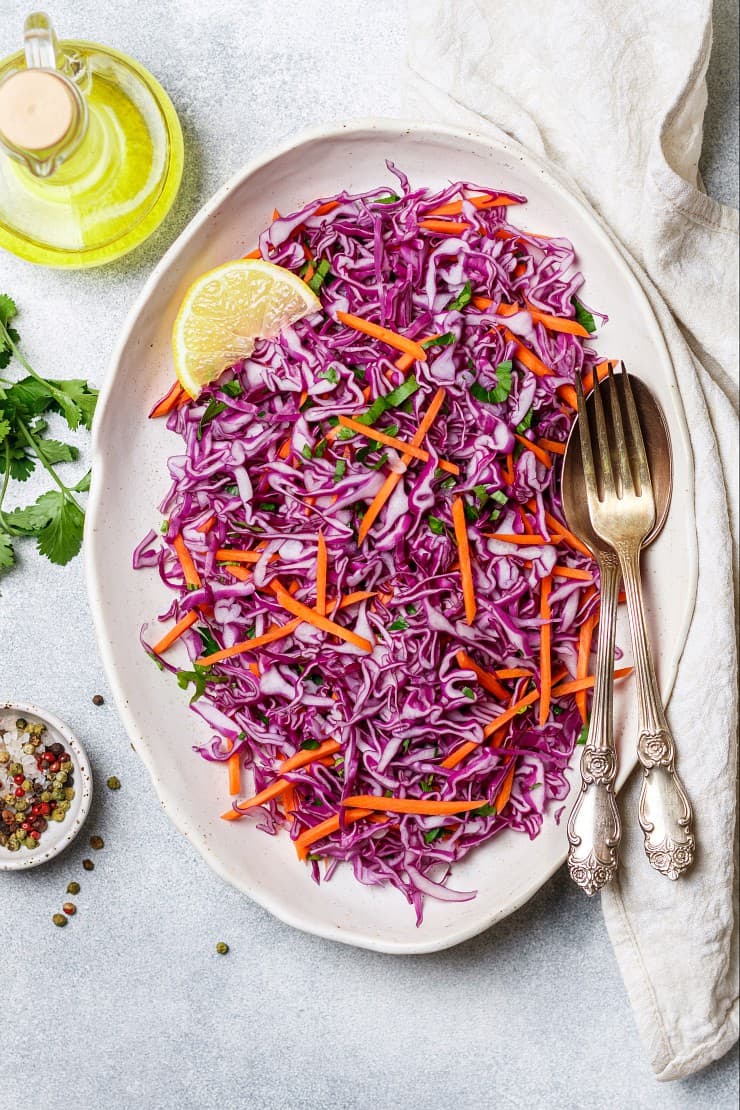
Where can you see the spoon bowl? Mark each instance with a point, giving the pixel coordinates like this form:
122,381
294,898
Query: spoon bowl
659,456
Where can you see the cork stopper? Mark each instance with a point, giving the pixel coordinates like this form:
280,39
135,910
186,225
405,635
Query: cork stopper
37,110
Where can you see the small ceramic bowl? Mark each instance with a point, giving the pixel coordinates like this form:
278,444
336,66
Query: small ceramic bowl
57,836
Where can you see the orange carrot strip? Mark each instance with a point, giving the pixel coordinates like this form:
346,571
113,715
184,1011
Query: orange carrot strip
505,309
275,632
545,649
325,828
393,478
585,636
459,754
579,685
327,206
256,253
562,533
274,790
566,572
509,714
525,541
303,758
235,555
454,208
508,471
504,793
526,357
528,529
392,338
557,323
466,567
170,401
552,446
488,681
482,303
310,271
234,765
322,563
445,227
538,452
206,526
175,633
312,617
400,445
192,578
411,805
275,214
405,362
513,672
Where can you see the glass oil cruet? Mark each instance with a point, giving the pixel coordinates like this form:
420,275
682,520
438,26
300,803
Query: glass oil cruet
91,151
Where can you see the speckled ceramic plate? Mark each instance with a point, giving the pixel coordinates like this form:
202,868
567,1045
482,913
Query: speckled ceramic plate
130,478
56,837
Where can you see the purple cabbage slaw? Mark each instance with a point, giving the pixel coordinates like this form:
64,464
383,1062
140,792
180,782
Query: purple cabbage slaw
398,711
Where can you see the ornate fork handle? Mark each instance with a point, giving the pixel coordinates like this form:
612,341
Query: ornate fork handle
665,813
594,828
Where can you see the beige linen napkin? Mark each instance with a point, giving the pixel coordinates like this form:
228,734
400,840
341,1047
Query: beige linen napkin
612,95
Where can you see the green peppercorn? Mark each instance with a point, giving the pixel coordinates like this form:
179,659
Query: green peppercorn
65,766
45,796
69,793
97,842
29,749
21,723
88,865
26,784
30,842
16,768
61,776
59,919
4,756
73,888
21,805
57,815
222,948
113,783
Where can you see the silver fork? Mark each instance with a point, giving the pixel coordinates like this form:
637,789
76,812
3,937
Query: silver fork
622,511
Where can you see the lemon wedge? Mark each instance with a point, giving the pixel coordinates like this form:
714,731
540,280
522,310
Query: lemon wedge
227,309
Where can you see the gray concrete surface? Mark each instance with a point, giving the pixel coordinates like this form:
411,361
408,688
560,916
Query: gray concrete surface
130,1005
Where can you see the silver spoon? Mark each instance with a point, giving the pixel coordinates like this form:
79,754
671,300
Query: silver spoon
594,828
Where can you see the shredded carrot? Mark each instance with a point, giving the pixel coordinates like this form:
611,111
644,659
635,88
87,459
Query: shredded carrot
508,471
325,828
488,681
519,269
170,401
405,362
303,758
236,555
274,790
509,714
504,792
275,214
206,526
284,449
327,206
558,323
505,309
454,208
192,578
526,357
578,686
400,445
513,672
394,478
317,620
234,765
538,452
545,649
290,801
552,446
445,227
392,338
411,805
585,636
566,572
528,529
256,253
310,271
275,632
322,563
466,567
175,632
556,528
524,541
482,303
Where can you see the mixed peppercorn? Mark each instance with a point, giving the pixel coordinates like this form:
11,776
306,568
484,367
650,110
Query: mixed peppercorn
36,783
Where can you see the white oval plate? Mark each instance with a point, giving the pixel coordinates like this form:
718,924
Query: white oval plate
130,478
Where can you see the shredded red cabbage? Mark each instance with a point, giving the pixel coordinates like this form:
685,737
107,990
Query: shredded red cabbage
264,463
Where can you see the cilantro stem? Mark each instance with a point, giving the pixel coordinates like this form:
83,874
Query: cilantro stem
56,393
6,479
38,450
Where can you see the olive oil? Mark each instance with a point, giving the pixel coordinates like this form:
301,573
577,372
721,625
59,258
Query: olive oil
91,151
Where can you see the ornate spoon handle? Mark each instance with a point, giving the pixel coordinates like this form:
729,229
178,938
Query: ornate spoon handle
665,813
594,829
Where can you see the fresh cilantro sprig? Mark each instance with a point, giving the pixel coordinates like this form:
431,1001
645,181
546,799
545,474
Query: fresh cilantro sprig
56,518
